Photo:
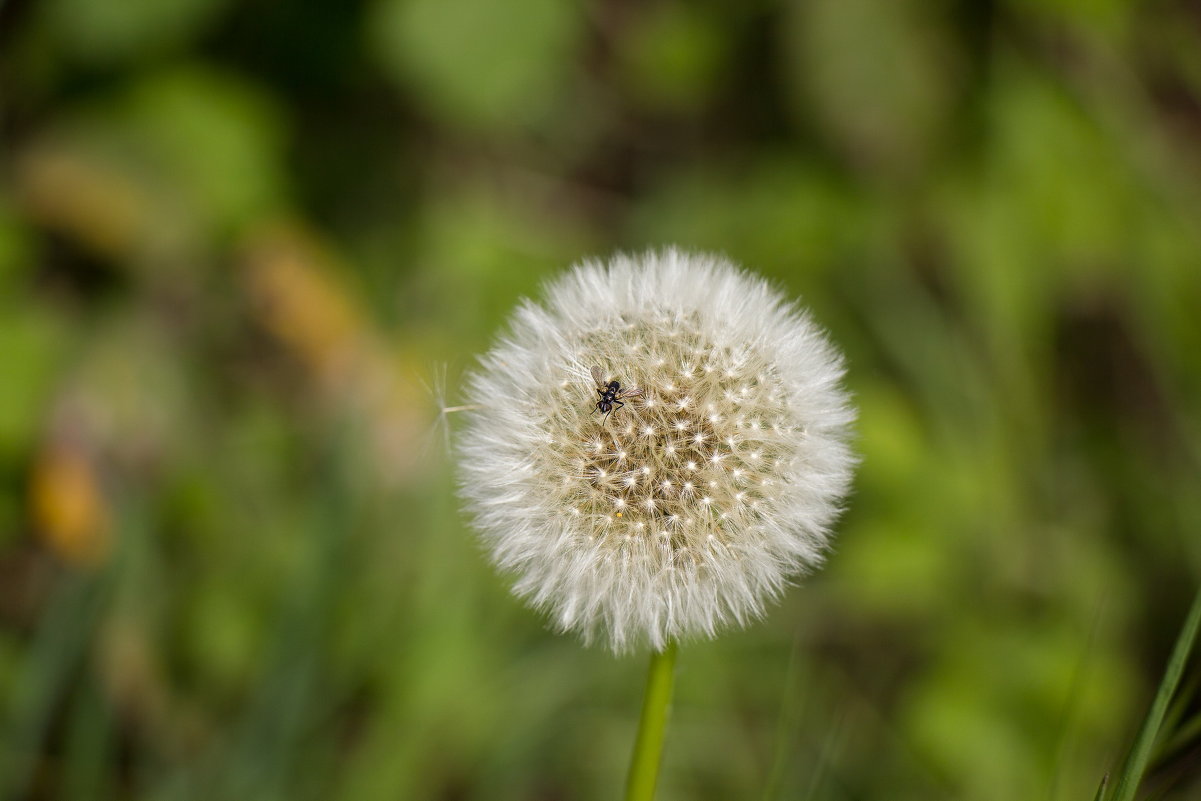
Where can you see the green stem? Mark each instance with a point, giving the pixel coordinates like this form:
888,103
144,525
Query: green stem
648,747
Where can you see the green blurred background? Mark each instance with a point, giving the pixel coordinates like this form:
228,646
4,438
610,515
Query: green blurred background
247,249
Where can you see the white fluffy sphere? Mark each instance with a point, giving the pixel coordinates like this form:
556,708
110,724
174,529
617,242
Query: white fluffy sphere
694,504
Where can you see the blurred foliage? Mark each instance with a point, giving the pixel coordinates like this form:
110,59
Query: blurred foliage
247,250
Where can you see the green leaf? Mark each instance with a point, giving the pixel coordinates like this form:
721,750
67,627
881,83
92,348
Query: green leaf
477,64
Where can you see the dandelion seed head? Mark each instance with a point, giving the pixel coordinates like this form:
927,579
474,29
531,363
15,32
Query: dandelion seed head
555,487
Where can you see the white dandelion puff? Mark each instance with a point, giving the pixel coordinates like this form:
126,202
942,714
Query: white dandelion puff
732,403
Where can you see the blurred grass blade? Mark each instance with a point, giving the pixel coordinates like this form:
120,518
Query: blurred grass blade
46,680
787,723
1136,763
1101,788
1180,705
1182,736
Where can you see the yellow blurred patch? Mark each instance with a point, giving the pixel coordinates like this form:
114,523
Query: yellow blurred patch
83,198
294,283
301,303
69,510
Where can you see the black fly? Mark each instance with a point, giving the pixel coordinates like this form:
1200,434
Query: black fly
611,394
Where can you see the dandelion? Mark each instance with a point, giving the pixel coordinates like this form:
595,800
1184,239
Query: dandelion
654,455
696,503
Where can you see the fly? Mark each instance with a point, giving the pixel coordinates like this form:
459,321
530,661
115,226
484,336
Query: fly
611,394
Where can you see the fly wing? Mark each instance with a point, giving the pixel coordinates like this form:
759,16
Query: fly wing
598,376
633,392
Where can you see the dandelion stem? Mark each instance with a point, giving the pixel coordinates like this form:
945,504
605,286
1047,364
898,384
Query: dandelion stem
648,747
